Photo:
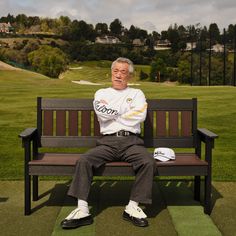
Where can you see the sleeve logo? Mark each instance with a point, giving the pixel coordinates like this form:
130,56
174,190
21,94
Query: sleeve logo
101,107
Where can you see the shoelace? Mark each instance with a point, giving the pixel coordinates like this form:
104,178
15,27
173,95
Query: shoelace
139,209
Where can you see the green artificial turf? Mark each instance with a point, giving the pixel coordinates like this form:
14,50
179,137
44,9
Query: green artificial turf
224,211
173,211
187,215
42,220
88,230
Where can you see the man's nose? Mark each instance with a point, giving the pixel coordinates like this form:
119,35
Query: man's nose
119,73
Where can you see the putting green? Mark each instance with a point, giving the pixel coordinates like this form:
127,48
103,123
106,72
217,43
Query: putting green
187,215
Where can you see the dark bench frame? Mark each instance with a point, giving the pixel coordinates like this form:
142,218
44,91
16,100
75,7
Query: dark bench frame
65,122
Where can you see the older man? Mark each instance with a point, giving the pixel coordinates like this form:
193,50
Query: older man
120,110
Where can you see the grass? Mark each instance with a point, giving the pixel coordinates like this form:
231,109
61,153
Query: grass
97,71
18,92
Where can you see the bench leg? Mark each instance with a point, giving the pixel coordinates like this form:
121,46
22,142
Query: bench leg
35,188
27,194
197,188
27,179
207,203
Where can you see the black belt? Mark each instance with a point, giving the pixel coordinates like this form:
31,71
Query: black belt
121,133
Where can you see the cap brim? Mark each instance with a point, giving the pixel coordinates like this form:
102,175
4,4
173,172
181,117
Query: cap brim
161,158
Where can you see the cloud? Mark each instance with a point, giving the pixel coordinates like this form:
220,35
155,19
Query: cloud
150,14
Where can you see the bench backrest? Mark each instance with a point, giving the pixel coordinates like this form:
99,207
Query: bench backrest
70,122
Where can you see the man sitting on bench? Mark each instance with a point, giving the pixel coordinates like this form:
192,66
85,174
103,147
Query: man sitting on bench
120,110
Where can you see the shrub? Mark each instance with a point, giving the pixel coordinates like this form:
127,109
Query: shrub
48,61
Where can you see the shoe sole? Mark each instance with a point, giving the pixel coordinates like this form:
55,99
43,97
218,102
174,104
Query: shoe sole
128,219
86,222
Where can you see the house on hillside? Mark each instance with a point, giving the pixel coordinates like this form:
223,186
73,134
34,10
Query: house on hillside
190,46
107,40
6,28
162,45
138,43
218,48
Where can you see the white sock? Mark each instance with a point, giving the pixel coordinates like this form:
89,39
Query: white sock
133,203
83,205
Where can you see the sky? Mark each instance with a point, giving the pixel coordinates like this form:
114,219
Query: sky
151,15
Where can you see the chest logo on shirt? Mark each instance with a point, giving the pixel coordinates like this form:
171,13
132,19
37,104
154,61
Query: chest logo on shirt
129,100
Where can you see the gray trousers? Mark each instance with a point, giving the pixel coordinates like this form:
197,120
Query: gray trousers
112,148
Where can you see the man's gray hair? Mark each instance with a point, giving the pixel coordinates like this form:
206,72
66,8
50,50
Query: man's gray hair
124,60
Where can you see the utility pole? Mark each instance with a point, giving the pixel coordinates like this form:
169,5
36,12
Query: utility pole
209,66
200,63
224,69
191,63
234,79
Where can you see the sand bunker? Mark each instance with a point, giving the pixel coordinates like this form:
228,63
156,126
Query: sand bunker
5,66
85,82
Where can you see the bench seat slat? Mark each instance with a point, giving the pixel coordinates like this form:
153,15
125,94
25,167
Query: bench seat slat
64,164
65,159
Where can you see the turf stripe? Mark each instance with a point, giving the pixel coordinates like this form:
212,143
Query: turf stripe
69,205
87,230
187,215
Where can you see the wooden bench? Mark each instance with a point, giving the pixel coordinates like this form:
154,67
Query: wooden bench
72,123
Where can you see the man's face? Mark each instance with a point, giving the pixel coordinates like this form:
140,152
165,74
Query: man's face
120,75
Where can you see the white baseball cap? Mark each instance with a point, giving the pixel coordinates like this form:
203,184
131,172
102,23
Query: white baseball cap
164,154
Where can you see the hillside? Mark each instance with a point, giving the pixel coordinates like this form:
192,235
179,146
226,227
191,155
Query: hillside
97,71
5,66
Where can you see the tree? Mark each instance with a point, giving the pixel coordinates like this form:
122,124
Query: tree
48,61
63,26
8,18
101,28
44,26
155,35
215,32
33,20
158,70
143,75
184,72
203,34
116,27
173,36
31,45
230,33
164,34
16,57
80,30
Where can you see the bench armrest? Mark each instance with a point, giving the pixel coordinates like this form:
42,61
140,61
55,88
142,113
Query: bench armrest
206,134
28,136
28,133
208,137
